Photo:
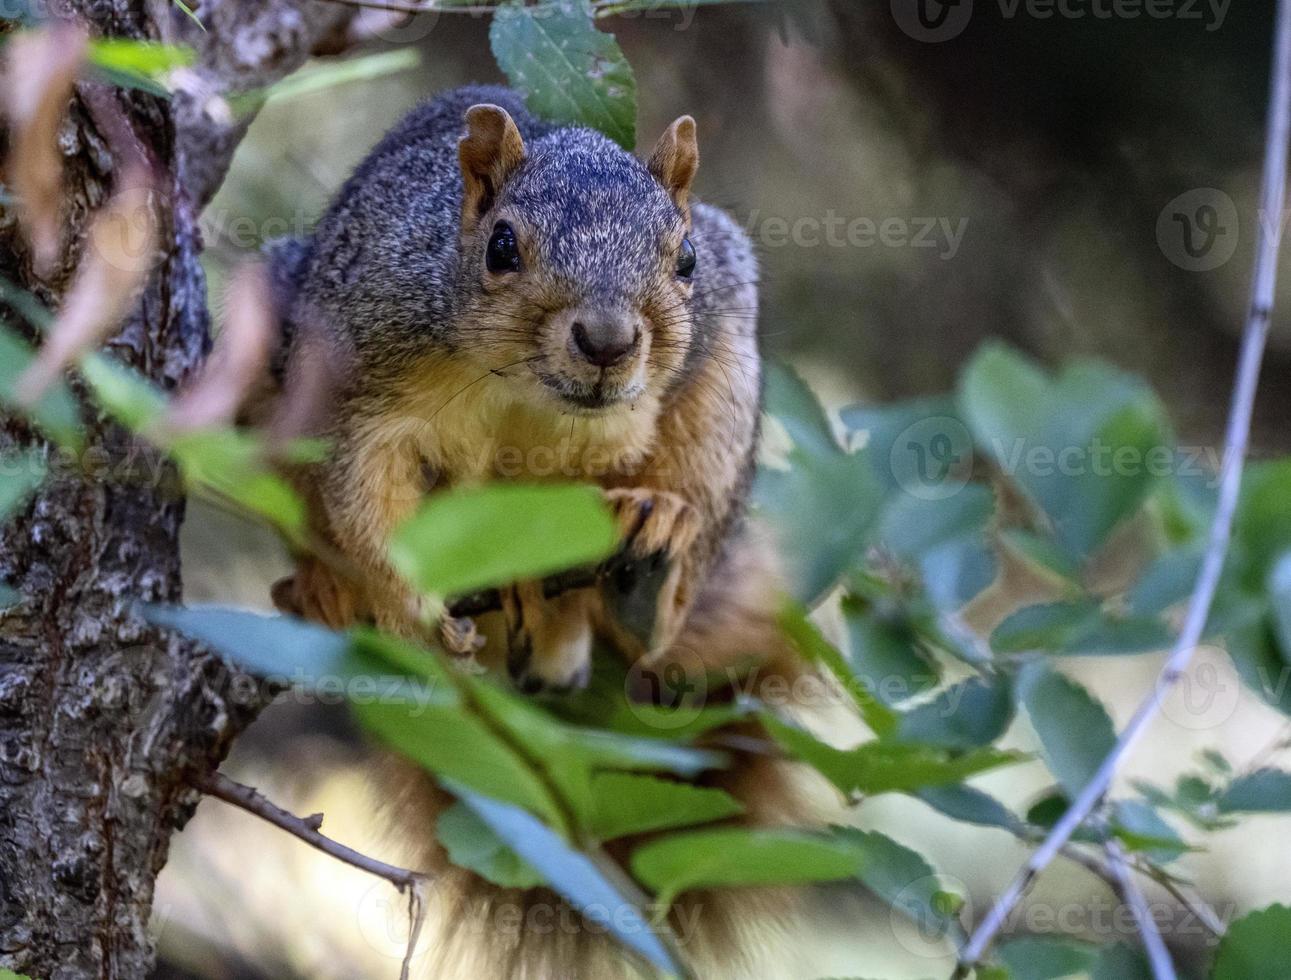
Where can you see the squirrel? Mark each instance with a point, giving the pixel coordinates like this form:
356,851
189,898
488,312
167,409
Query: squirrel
516,299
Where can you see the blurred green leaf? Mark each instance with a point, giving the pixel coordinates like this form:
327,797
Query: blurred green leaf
233,464
1279,592
1166,582
738,856
1262,526
884,656
573,875
570,71
903,879
1081,445
189,13
123,392
472,844
1079,628
1045,958
970,805
56,413
318,76
812,645
1075,731
917,447
1261,791
312,657
467,539
1142,830
141,65
634,804
824,505
967,715
20,474
1255,946
885,767
455,745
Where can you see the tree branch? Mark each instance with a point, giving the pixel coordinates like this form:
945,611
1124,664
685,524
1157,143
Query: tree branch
306,828
1128,890
1264,279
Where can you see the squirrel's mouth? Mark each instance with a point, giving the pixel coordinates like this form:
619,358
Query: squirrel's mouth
594,398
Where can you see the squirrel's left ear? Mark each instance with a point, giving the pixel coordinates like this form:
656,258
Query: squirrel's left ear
489,153
675,160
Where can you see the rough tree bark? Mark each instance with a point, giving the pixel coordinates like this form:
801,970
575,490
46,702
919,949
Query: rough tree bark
100,715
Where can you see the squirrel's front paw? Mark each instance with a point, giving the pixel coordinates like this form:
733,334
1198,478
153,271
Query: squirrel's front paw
648,594
318,594
549,641
653,522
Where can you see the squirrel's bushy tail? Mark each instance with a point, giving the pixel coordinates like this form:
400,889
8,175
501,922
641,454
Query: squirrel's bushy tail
477,929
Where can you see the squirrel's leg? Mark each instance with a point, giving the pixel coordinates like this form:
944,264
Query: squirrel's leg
549,641
651,590
317,593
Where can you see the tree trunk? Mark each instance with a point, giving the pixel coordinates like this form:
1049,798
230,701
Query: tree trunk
101,716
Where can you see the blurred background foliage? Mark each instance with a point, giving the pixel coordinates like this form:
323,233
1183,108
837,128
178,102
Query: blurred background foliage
1054,144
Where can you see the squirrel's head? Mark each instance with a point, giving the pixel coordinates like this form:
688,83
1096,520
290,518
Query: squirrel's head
577,260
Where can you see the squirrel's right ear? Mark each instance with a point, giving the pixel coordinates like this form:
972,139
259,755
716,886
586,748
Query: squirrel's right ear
675,160
489,153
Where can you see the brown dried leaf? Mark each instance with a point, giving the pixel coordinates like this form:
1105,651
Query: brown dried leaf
120,250
316,369
40,71
240,358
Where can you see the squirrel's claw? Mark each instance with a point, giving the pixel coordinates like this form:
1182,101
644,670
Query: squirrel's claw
549,641
653,521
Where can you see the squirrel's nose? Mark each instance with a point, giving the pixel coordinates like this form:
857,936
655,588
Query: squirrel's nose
605,342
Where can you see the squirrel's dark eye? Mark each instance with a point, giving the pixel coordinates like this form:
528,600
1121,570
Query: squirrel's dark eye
686,259
502,254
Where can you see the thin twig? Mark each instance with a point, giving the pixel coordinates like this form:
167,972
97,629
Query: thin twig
1238,433
1131,895
306,828
1195,904
394,7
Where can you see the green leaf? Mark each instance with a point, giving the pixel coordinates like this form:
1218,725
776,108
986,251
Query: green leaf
20,474
312,657
634,804
918,447
1255,946
737,856
812,645
233,464
1262,527
1262,791
319,76
1075,731
970,714
1279,591
467,539
472,844
574,876
1084,446
1166,582
911,526
1078,628
457,746
569,754
123,392
885,767
1121,962
823,506
884,655
570,71
1042,958
969,805
139,57
56,413
1141,829
903,879
1043,554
